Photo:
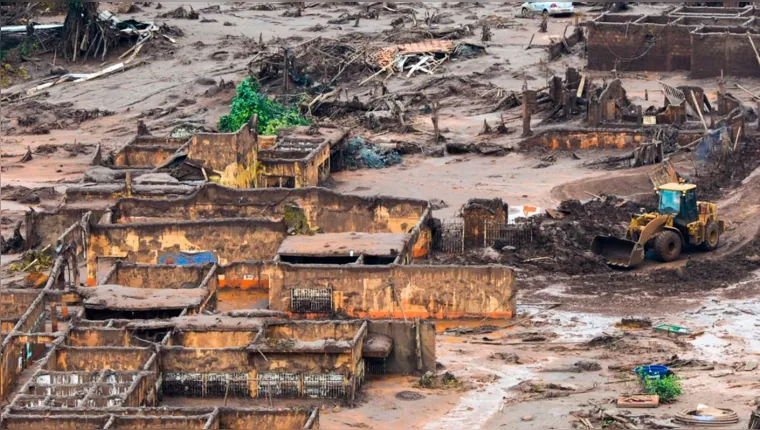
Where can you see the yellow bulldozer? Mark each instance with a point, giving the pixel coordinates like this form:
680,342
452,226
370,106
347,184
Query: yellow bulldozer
680,221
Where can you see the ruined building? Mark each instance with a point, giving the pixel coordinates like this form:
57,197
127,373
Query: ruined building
706,41
232,298
294,160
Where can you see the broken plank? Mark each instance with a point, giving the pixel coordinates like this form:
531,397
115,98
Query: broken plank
580,86
698,107
106,71
414,68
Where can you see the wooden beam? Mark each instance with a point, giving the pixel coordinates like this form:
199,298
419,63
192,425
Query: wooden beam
752,42
699,109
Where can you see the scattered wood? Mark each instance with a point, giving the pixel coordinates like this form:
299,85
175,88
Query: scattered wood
748,92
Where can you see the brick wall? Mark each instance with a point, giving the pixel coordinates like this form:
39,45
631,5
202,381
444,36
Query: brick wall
732,53
608,42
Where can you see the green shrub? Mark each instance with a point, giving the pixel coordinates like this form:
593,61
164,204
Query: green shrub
250,101
668,387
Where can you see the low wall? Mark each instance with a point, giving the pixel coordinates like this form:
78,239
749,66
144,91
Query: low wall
331,211
568,139
131,417
44,228
403,357
264,420
627,45
204,360
400,291
235,239
114,191
91,337
72,359
146,151
162,276
714,51
304,171
14,303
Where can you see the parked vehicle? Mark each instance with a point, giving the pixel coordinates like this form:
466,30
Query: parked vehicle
547,8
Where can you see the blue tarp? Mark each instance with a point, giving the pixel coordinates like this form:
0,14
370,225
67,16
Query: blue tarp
711,142
187,258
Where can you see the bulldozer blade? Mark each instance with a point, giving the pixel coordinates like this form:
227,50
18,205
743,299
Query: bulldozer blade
618,252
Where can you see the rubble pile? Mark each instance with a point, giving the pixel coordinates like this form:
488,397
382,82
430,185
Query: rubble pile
562,240
36,117
358,153
727,170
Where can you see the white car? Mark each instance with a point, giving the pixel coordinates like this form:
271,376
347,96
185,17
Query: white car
547,8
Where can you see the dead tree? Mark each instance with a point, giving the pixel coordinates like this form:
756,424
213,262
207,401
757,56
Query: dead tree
83,34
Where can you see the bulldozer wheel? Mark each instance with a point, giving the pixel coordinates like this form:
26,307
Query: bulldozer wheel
712,236
667,245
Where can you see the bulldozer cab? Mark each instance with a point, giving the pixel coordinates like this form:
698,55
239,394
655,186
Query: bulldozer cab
680,201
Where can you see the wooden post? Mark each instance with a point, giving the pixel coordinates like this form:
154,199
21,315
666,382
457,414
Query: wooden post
285,73
54,316
128,181
434,118
531,42
419,343
528,104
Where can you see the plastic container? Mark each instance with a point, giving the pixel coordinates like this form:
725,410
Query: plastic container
654,371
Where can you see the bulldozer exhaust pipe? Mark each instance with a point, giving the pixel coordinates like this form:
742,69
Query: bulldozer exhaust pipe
618,252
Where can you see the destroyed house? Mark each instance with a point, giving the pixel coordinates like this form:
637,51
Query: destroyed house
706,41
309,253
295,160
108,374
137,370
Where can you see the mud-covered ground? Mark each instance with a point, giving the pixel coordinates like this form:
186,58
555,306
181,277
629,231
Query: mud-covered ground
192,81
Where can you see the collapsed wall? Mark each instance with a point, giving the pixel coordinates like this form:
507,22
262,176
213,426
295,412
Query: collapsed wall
145,152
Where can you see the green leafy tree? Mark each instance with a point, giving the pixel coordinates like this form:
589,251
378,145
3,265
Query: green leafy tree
250,101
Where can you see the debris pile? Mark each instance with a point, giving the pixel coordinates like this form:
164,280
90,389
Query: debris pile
358,153
562,240
15,243
26,195
727,170
315,65
180,13
33,261
424,57
36,117
445,380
